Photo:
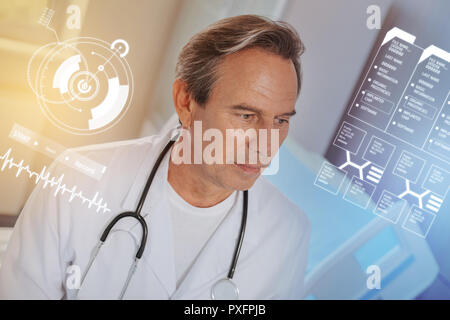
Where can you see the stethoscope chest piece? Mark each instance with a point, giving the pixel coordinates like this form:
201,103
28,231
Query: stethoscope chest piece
225,289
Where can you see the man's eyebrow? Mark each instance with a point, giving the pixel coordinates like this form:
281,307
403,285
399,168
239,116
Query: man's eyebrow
287,114
244,107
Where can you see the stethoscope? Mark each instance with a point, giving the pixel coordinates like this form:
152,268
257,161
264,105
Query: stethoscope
223,289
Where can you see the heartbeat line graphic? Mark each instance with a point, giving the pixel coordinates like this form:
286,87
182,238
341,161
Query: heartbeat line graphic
52,181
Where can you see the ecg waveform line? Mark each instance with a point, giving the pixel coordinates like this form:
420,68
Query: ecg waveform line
44,175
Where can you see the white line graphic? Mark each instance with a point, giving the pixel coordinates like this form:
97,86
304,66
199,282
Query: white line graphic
372,179
431,208
8,162
435,198
354,165
434,203
414,194
377,170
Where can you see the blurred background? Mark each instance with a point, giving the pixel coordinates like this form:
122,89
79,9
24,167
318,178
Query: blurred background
339,48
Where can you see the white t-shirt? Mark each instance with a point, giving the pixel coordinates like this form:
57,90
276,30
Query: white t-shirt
192,226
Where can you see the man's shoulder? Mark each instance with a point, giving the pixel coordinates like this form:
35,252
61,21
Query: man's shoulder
117,155
122,147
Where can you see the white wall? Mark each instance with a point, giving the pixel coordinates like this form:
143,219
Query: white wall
337,45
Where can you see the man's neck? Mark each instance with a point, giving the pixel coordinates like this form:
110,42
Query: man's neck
188,182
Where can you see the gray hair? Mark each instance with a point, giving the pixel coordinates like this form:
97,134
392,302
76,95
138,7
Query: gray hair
199,59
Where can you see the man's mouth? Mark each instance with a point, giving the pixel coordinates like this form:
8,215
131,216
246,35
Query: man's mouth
250,168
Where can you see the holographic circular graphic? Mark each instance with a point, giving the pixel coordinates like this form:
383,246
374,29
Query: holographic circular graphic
83,85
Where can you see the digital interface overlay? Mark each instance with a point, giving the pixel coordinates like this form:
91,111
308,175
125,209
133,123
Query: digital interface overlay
84,85
393,143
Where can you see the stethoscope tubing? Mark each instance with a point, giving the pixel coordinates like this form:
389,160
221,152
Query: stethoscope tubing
137,215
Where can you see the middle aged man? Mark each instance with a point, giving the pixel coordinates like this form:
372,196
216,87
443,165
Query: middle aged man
239,73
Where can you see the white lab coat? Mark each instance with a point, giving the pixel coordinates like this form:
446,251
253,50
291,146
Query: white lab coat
53,233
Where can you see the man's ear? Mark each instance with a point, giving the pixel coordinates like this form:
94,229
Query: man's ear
182,101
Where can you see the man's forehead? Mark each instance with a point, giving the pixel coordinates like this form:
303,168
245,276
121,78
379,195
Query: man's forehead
257,73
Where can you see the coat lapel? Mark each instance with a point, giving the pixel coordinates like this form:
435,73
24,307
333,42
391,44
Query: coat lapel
159,251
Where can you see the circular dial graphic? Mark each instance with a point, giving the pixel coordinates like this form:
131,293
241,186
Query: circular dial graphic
83,85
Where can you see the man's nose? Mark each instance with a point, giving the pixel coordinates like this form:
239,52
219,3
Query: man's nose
264,141
264,134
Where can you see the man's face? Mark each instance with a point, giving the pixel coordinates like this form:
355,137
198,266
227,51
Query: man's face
255,90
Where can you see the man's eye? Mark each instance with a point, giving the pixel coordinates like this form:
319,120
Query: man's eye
246,116
282,121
